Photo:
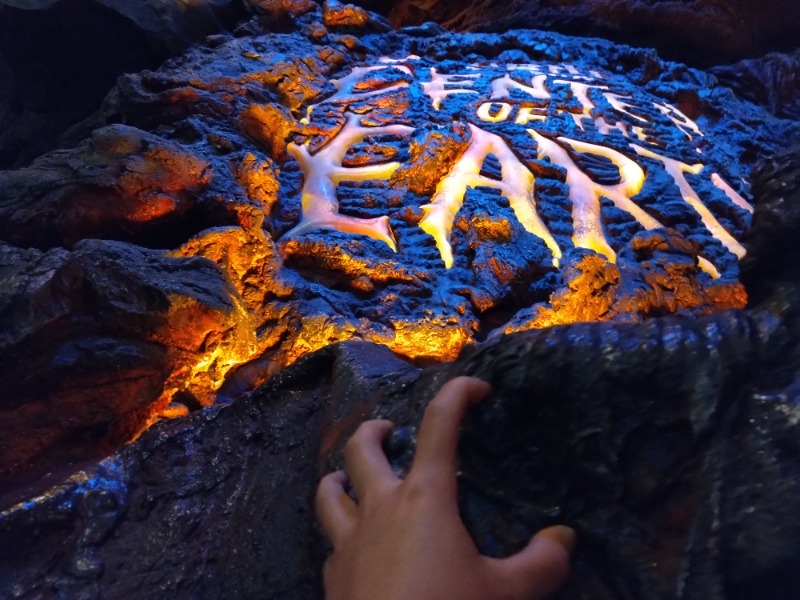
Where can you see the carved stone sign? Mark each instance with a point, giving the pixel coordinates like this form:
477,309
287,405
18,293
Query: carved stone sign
263,197
551,103
504,196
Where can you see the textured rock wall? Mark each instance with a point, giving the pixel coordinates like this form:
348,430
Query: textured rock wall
217,162
59,58
698,32
167,262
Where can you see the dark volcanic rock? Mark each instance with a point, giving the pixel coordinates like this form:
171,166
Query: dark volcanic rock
95,340
671,447
697,32
58,58
122,183
285,176
772,271
772,81
423,191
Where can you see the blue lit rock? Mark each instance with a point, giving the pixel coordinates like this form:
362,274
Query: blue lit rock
646,432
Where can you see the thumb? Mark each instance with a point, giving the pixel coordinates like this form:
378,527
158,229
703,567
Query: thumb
542,567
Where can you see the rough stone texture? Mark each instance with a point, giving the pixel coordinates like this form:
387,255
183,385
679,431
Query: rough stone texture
122,183
697,32
92,339
670,446
202,167
59,58
668,442
772,271
772,81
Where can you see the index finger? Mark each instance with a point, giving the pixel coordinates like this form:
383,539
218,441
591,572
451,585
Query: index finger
438,434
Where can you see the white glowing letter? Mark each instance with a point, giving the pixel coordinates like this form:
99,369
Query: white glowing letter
486,112
581,93
436,90
731,193
620,105
324,170
585,194
681,121
516,185
676,170
526,114
501,87
604,127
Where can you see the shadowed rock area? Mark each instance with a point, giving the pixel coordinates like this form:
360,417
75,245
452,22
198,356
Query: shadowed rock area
58,58
697,32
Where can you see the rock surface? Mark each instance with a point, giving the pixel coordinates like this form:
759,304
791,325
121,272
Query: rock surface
773,81
225,155
697,32
188,249
670,446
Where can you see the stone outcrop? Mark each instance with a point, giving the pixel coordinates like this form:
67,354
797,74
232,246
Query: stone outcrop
666,445
215,171
59,58
698,32
314,220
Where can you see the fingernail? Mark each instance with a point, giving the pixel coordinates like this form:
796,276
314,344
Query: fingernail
564,535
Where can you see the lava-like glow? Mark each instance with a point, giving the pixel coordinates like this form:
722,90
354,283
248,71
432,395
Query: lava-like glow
501,88
324,170
677,170
437,88
527,114
605,128
680,120
516,185
620,105
346,86
585,194
731,193
488,113
580,91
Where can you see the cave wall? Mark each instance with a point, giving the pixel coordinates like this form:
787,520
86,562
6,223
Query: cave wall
144,294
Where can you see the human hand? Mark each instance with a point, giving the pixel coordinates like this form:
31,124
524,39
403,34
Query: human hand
404,539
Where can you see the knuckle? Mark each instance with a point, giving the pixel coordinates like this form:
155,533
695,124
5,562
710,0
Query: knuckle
416,492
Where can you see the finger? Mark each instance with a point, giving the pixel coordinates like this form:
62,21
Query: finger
366,464
438,434
336,511
542,566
